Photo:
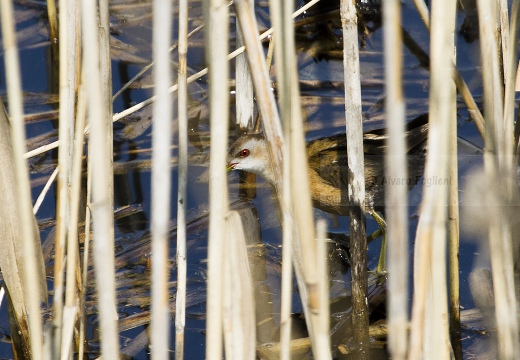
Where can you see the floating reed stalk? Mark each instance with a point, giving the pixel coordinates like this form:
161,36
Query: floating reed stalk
161,180
217,35
430,317
181,258
396,194
356,180
29,254
498,161
100,150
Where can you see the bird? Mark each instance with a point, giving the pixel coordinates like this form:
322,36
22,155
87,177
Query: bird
328,169
328,165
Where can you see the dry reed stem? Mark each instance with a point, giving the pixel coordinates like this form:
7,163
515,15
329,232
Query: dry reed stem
511,60
429,316
33,268
239,305
262,85
502,35
217,36
161,180
453,224
100,150
322,329
86,249
55,37
67,331
397,194
77,167
287,282
11,256
498,160
462,87
295,197
67,213
173,88
356,181
181,255
44,191
302,207
422,8
244,86
299,185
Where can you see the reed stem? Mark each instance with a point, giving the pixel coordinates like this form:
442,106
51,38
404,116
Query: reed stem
396,194
100,149
356,185
161,180
181,257
217,35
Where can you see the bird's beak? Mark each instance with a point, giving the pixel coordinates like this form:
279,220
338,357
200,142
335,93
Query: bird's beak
231,167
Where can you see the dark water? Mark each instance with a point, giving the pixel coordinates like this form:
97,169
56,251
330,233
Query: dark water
319,43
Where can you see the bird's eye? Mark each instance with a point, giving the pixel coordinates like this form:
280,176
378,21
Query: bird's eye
244,153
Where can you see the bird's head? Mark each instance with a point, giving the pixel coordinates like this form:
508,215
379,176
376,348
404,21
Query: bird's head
250,153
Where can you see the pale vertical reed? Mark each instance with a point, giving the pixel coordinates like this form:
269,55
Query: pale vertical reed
33,270
509,72
453,224
502,34
243,86
322,342
429,318
295,197
356,182
55,36
396,195
498,161
239,303
86,245
182,110
462,87
161,180
78,152
100,151
69,179
217,42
